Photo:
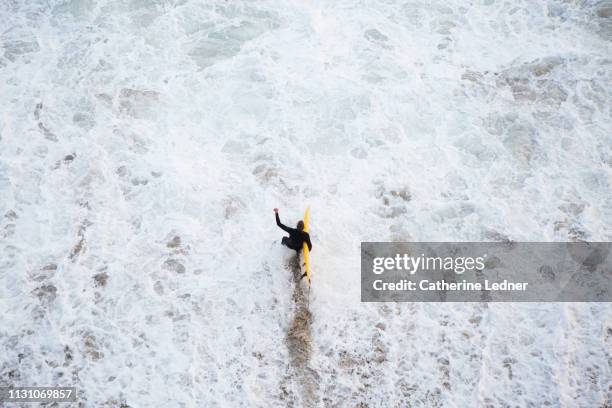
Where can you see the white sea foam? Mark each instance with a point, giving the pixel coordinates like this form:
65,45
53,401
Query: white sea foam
143,145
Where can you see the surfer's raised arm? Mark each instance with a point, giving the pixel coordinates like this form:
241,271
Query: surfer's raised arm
280,224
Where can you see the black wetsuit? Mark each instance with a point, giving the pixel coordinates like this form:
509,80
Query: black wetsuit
296,237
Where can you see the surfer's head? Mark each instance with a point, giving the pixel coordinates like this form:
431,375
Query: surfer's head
300,225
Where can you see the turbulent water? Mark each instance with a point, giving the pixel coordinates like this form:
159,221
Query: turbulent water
143,145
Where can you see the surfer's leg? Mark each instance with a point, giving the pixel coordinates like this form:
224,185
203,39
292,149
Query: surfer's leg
297,253
289,243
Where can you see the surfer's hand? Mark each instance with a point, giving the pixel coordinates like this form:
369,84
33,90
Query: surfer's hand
276,210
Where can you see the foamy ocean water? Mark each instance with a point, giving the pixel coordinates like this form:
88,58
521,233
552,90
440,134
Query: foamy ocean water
143,145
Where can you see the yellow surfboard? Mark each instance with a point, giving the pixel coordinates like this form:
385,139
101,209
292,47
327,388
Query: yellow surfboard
305,251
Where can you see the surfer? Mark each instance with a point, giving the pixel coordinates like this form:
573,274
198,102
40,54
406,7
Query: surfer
297,236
